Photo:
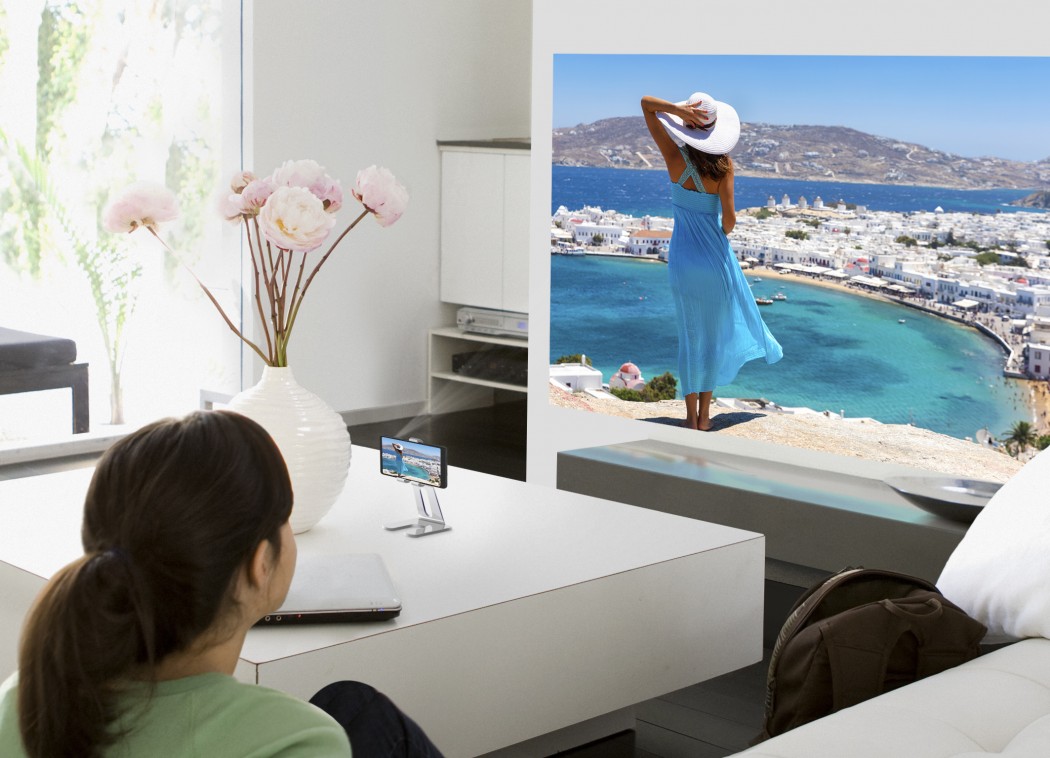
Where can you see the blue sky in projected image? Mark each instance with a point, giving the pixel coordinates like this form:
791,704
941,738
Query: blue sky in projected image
970,106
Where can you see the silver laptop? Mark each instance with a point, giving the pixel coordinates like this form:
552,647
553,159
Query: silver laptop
335,589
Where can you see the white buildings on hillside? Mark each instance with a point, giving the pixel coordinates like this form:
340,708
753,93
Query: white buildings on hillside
612,229
1037,363
931,253
585,233
1037,349
575,377
649,242
922,260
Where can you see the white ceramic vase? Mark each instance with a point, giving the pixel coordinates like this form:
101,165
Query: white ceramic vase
312,437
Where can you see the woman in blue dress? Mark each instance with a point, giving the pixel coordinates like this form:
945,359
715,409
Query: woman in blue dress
719,326
399,458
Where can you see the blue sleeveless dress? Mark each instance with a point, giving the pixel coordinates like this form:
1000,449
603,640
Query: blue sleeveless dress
719,326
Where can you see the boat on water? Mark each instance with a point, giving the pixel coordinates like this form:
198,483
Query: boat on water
758,278
901,321
567,251
763,301
780,296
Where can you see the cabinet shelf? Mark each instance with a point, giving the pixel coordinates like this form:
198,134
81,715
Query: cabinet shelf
453,377
451,391
454,332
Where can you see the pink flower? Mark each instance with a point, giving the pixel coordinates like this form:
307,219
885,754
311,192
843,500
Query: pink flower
330,192
380,193
311,175
141,204
298,173
240,181
229,205
255,195
294,219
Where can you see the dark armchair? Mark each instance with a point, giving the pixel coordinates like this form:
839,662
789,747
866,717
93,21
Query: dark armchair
32,362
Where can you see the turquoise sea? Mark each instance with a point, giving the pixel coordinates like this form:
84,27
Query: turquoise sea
842,352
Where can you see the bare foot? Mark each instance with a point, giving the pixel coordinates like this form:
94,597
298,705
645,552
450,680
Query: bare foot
690,423
704,426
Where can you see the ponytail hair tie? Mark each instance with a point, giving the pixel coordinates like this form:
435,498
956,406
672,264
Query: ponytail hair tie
116,554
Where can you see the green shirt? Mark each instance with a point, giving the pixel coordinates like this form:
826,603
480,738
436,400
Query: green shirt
207,716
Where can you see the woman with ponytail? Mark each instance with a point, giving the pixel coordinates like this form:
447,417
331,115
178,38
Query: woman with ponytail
130,649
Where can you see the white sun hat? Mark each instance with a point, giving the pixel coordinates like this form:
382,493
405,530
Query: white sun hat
721,128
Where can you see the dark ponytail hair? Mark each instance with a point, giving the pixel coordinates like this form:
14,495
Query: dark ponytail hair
174,512
713,166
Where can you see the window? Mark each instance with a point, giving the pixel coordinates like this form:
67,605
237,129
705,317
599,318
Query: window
99,95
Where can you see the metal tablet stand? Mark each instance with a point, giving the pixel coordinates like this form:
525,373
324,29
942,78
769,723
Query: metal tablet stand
431,520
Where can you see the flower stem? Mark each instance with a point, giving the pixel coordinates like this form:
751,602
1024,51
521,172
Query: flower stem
258,299
271,287
302,294
211,297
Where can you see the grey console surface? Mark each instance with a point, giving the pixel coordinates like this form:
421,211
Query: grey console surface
813,518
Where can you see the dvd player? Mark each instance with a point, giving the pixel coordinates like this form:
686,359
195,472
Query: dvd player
489,321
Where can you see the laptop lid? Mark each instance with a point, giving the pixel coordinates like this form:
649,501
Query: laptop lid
337,588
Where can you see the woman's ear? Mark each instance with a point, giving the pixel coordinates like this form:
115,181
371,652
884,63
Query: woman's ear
261,565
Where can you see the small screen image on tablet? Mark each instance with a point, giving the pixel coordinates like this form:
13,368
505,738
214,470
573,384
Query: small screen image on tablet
414,461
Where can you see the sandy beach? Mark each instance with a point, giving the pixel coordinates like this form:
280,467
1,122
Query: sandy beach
1039,397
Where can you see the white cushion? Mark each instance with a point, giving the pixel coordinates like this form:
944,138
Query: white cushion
1000,572
998,704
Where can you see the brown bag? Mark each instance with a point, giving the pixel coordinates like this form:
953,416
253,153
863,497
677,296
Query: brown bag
858,634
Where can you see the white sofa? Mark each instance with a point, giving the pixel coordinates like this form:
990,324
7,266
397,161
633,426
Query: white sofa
996,704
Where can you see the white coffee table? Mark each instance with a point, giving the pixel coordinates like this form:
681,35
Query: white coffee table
539,611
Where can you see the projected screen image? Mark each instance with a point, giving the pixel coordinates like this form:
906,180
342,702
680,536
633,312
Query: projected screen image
892,239
413,461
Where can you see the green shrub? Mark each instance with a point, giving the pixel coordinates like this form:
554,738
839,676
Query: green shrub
663,387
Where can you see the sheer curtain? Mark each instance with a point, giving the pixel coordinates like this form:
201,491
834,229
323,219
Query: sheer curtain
99,94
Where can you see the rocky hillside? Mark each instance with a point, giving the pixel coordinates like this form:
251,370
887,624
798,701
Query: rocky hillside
859,438
1038,199
816,153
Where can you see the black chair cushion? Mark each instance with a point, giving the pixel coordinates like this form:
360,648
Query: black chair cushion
27,350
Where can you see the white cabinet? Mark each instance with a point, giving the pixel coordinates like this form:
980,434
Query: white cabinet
450,389
485,224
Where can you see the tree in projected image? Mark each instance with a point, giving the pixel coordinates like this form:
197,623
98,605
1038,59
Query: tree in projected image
1021,436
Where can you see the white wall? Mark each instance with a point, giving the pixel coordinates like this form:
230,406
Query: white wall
352,83
895,27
